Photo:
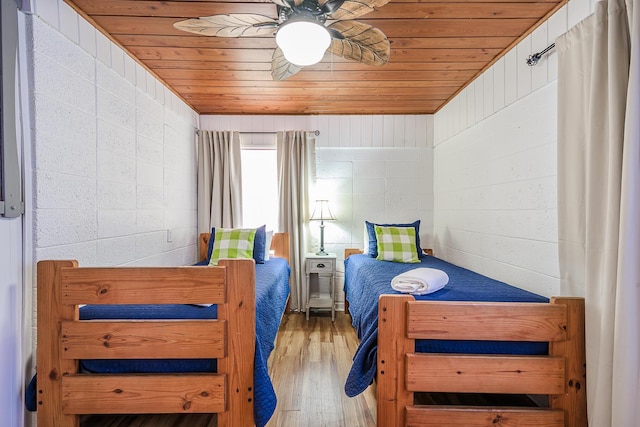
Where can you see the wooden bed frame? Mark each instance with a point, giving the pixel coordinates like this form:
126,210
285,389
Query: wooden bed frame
63,393
401,371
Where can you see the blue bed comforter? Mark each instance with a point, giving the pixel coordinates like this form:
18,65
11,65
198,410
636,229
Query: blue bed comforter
366,279
272,290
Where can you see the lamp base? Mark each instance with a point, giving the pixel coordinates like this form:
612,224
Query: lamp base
322,252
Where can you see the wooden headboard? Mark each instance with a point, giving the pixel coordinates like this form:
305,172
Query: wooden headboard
352,251
279,244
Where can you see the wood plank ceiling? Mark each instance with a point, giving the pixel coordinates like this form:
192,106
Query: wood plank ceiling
437,48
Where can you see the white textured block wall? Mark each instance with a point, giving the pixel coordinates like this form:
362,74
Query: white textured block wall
113,150
495,195
510,78
111,162
374,184
378,185
377,168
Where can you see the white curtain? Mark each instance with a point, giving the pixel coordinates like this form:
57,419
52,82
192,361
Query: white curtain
219,180
599,201
296,175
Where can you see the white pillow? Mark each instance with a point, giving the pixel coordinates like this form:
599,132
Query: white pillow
365,233
267,245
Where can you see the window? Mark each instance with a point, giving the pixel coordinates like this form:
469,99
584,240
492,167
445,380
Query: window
259,187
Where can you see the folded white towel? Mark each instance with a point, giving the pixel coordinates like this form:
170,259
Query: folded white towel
420,281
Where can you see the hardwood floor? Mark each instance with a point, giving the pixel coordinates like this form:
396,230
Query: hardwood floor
308,368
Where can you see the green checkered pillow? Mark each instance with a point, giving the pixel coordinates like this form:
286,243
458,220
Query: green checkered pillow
397,244
232,243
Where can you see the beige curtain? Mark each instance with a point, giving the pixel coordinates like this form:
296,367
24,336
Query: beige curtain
296,175
599,201
219,180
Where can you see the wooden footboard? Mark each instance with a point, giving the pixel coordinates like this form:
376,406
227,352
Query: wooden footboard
64,393
402,372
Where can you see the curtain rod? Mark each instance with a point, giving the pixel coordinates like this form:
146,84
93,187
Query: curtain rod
315,132
533,59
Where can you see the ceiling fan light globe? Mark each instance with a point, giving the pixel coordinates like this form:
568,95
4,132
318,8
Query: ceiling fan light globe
302,42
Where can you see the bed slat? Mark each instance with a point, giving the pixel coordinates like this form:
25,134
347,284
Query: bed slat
487,321
443,416
485,374
143,394
176,285
160,339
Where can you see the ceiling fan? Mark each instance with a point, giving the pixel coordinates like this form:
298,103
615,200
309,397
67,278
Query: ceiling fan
302,38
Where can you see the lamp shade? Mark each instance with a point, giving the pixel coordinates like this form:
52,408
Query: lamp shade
303,42
321,212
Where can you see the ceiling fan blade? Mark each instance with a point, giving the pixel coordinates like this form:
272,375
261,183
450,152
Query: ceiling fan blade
288,3
361,43
232,25
283,3
351,9
280,67
330,6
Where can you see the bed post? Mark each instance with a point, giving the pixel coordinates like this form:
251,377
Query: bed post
240,316
574,400
280,245
51,367
203,246
392,330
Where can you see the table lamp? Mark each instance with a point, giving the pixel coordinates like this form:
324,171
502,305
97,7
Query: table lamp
322,213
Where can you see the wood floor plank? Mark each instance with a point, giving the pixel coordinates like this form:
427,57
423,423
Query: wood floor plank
308,367
356,412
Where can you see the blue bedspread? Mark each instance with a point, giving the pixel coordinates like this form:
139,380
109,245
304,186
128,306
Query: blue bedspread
272,290
366,279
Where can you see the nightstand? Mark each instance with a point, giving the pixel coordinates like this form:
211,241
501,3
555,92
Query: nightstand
321,265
